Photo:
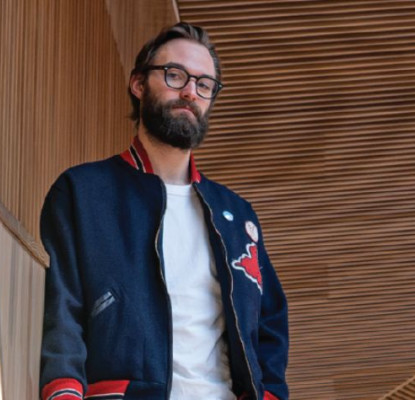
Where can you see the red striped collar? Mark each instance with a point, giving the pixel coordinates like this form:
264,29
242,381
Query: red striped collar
136,155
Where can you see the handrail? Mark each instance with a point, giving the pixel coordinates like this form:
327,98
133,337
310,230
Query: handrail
15,227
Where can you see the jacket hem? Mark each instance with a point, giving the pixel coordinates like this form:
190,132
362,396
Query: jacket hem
63,389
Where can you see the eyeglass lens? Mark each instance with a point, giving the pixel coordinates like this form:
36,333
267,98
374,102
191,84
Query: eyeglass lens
177,78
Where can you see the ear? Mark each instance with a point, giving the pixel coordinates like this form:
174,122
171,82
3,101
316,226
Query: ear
137,85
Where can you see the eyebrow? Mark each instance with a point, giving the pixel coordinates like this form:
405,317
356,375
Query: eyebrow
181,66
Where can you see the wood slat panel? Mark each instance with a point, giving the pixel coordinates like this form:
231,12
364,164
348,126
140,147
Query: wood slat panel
402,392
316,126
63,101
131,19
21,304
1,370
62,97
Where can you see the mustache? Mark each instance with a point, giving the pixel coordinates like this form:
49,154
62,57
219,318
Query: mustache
183,103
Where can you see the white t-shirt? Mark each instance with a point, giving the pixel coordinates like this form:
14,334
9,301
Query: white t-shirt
200,356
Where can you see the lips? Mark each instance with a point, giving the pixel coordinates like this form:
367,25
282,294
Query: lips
187,107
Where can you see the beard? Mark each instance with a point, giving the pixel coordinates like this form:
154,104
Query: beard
179,131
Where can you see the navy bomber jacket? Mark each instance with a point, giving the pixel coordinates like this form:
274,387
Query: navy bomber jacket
107,324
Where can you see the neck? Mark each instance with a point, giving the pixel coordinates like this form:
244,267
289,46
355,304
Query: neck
169,163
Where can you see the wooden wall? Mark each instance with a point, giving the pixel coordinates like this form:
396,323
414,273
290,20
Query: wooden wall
402,392
132,19
62,97
316,126
21,305
63,101
1,370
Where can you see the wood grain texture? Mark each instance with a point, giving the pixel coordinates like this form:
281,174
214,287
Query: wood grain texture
1,369
316,127
27,241
21,305
62,97
402,392
63,101
135,22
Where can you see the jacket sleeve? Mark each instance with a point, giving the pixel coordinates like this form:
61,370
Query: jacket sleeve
273,329
63,352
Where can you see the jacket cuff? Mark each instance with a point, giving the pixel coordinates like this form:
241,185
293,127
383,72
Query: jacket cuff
112,389
63,389
269,396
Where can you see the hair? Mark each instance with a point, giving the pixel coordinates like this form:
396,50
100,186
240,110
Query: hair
181,30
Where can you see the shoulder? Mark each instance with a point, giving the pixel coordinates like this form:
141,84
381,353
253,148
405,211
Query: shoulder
92,175
94,169
218,193
218,188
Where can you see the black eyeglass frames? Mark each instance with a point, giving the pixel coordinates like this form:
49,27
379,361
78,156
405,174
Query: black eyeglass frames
178,78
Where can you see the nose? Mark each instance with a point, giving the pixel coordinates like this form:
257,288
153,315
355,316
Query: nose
189,91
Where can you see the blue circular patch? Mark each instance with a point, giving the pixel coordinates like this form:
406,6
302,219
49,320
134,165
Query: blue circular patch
228,215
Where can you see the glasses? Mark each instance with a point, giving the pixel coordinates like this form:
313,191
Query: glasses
178,78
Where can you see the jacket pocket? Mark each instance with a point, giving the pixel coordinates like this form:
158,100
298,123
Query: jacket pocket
102,303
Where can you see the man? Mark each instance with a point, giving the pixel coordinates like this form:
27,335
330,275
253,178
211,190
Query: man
159,285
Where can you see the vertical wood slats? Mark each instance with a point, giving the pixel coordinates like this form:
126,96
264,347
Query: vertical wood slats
63,101
1,370
316,126
62,97
21,305
131,19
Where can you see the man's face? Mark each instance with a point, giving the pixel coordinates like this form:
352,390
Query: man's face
178,117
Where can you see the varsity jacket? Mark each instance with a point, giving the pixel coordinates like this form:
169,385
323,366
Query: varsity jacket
108,326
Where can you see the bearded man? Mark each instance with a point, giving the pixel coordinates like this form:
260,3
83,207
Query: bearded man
159,284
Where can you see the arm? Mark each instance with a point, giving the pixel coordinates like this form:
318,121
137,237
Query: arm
273,330
63,352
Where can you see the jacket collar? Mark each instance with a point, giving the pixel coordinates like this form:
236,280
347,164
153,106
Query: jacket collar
136,155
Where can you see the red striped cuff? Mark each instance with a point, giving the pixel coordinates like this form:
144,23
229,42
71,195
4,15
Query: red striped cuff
113,389
63,389
267,396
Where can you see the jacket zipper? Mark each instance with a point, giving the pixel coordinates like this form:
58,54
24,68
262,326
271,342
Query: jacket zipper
170,336
231,291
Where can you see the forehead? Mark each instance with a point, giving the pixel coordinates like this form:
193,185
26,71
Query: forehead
192,55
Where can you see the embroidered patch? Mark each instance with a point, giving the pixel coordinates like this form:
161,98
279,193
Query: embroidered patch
249,265
251,230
